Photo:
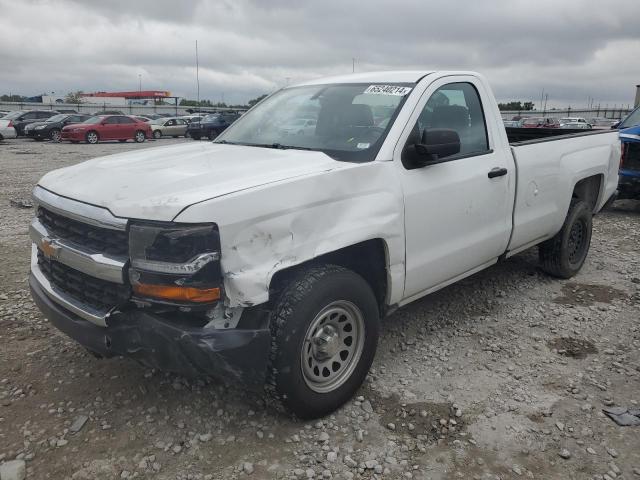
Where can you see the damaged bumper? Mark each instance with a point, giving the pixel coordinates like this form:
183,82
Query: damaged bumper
234,355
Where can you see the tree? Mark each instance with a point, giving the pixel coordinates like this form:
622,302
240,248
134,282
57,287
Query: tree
513,105
252,102
74,97
12,98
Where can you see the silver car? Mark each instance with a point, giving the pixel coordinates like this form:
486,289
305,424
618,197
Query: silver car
171,127
7,132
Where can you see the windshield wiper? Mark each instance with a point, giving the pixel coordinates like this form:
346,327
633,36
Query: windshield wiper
279,146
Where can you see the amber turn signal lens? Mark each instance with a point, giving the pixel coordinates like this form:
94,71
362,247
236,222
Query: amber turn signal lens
179,294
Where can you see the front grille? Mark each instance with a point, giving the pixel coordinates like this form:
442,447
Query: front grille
631,156
99,294
103,240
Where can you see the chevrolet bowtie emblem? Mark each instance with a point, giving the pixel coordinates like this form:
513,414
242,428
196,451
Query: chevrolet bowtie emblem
49,248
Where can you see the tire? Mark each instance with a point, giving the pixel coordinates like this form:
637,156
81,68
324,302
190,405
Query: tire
157,134
195,136
92,137
55,135
304,377
139,136
563,255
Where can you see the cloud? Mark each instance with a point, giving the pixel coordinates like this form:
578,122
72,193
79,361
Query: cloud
574,49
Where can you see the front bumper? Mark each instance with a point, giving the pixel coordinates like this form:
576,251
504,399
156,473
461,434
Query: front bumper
40,134
74,136
236,355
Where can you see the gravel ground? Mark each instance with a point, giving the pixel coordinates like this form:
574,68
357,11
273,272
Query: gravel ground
503,375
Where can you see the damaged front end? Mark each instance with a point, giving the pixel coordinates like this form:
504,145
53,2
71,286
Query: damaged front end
149,291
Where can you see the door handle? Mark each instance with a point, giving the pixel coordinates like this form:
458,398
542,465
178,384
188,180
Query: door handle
497,172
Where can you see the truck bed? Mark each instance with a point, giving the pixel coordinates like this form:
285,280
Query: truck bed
533,135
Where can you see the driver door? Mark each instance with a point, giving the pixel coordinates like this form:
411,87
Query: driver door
458,211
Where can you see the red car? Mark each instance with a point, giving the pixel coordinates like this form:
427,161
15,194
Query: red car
107,127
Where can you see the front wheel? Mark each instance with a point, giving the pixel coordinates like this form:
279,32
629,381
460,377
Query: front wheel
139,137
563,255
55,135
92,137
325,330
157,134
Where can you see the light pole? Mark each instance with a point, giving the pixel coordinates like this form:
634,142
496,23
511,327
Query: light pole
139,82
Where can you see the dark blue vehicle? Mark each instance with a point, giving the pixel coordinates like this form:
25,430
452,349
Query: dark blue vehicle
629,180
211,126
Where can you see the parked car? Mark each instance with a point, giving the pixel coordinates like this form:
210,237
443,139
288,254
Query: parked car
262,256
211,126
192,118
511,123
602,122
52,128
172,127
143,119
108,112
540,122
307,126
3,113
21,118
629,180
576,123
107,127
7,132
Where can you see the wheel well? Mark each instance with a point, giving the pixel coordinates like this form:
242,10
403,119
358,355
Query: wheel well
588,190
368,259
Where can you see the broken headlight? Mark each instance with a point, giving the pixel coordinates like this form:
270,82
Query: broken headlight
173,263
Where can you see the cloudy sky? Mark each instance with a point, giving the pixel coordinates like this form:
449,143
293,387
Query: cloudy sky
573,49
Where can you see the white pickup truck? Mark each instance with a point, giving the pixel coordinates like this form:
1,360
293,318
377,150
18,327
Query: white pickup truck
269,256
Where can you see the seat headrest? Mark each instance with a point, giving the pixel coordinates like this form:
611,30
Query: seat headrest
357,115
450,116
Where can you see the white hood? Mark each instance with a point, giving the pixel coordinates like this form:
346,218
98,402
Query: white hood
157,183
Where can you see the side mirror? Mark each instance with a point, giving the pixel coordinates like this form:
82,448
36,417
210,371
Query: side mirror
436,144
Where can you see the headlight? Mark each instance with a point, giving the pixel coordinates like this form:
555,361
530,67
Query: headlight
175,263
39,127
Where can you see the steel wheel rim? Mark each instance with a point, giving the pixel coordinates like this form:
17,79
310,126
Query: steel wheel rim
577,240
332,346
92,137
56,135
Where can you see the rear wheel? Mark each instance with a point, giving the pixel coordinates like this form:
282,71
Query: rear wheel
55,135
139,137
157,134
563,255
92,137
325,331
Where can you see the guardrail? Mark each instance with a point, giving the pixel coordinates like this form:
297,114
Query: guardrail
126,109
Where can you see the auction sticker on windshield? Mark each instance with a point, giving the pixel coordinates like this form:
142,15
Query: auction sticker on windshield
387,90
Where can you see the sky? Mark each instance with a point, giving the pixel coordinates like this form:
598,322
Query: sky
577,51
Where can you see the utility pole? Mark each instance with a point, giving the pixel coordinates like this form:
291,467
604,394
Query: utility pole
353,65
139,82
197,75
541,98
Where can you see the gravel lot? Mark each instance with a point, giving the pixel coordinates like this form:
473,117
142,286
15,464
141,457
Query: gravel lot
501,376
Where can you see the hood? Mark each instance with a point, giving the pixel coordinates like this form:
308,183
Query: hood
33,125
629,135
158,183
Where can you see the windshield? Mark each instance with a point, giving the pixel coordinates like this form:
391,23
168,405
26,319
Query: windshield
211,118
93,120
347,121
57,118
632,120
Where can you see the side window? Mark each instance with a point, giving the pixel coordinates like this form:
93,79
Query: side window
111,121
170,123
125,120
29,116
454,107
